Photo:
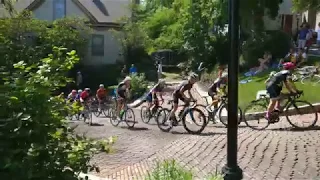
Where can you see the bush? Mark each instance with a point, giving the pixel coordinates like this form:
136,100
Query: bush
36,141
139,85
277,42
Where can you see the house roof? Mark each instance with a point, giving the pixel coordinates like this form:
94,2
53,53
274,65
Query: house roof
99,11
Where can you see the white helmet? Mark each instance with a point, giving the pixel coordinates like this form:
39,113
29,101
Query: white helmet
79,91
127,79
101,85
193,76
224,75
87,89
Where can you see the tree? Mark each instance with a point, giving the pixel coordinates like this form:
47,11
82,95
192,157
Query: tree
304,5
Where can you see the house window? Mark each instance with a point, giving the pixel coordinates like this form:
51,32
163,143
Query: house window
97,46
59,9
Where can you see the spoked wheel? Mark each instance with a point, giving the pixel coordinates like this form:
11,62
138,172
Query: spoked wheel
301,114
313,80
254,116
106,111
194,121
95,110
162,119
114,118
223,115
129,118
145,114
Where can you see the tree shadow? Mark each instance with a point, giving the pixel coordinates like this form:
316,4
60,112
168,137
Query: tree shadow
96,124
314,128
136,128
202,134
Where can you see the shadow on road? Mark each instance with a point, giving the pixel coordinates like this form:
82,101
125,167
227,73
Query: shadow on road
222,126
97,124
315,128
202,134
136,128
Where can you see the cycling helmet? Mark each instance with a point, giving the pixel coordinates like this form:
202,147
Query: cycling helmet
74,91
80,91
101,86
224,75
193,76
87,89
288,66
127,79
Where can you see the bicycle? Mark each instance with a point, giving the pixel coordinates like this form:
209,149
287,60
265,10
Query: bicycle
103,109
221,111
189,110
290,106
307,74
125,114
87,113
147,115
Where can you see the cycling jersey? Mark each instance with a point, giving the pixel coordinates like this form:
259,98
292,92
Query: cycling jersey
158,88
84,95
72,96
121,90
279,78
217,84
184,86
101,93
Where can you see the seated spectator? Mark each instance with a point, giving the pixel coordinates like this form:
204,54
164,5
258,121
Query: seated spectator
264,63
290,57
301,57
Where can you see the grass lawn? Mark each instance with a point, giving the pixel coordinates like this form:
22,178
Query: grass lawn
248,91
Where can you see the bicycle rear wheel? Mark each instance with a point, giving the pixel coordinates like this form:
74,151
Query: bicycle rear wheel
162,120
113,118
313,80
254,116
298,107
129,118
223,115
189,117
145,114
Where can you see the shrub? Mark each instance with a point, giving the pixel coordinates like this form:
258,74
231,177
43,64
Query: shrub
139,85
36,141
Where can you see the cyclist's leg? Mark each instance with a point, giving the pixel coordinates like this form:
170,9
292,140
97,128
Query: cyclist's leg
149,101
175,105
215,99
274,93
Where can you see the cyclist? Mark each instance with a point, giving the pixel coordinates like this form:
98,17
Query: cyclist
72,96
101,95
84,96
122,93
275,84
178,93
152,97
218,86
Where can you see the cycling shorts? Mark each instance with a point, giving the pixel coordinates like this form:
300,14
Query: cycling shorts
274,91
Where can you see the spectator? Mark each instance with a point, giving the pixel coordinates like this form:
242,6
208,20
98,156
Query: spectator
309,38
302,36
263,63
79,80
124,71
159,69
133,69
318,35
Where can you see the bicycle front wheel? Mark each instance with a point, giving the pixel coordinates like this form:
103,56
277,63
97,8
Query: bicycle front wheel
162,120
113,118
129,118
254,115
194,121
145,115
313,80
223,115
301,114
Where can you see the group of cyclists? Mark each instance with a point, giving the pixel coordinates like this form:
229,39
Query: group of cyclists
216,90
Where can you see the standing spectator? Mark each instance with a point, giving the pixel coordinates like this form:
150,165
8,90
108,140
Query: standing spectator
79,80
124,71
133,69
318,35
302,36
159,69
309,38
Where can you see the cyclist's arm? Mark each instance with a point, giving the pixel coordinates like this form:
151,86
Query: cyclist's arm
153,94
190,94
290,86
161,95
182,93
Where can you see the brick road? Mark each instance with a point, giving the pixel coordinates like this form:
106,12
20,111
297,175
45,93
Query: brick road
275,153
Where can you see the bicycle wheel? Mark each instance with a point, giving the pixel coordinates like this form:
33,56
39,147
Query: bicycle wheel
190,117
313,80
145,115
89,118
223,115
129,118
113,118
162,119
254,115
95,110
301,111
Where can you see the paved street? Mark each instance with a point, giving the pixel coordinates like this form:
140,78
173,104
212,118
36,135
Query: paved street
275,153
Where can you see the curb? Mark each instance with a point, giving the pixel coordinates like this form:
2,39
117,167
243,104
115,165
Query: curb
304,109
83,176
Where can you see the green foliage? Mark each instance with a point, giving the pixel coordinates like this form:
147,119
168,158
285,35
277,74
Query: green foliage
28,39
255,47
139,85
36,141
304,5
